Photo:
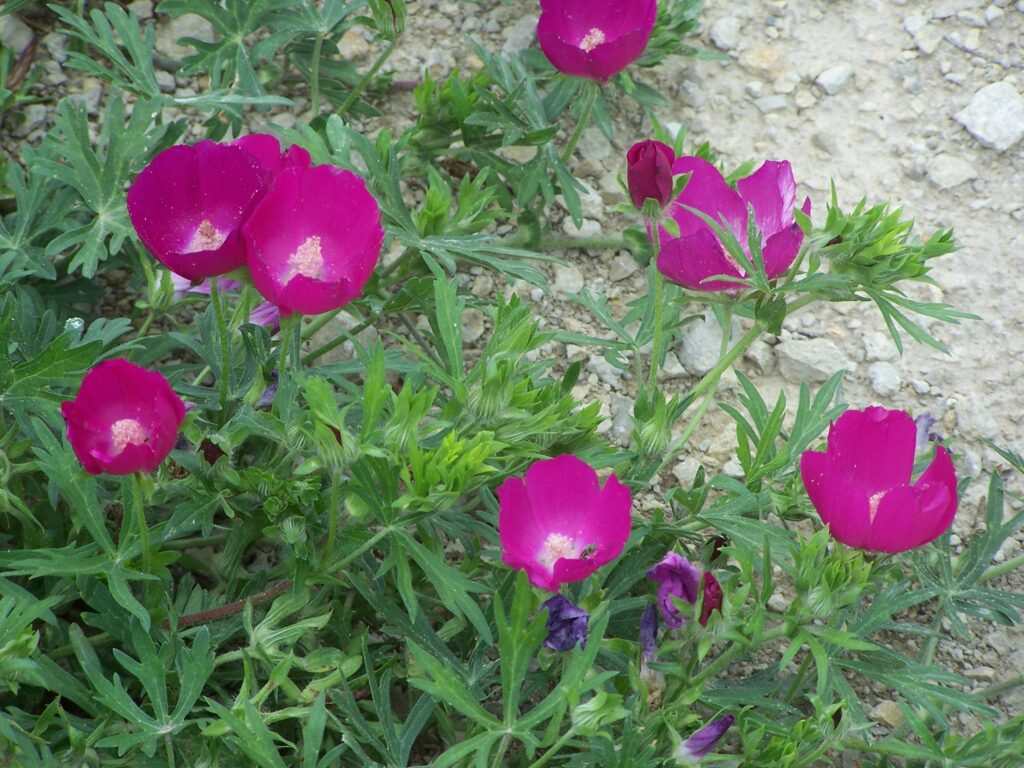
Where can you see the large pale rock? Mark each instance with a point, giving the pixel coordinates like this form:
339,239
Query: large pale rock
995,116
809,360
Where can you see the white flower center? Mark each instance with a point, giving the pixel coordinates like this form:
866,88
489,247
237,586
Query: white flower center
873,503
557,546
592,39
125,432
206,238
307,260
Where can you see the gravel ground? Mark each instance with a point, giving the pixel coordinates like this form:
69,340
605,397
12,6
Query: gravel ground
918,102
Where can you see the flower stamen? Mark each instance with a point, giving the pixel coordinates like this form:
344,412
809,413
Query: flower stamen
873,503
592,39
555,547
206,238
125,432
308,259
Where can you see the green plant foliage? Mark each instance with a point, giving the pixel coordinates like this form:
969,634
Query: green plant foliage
314,576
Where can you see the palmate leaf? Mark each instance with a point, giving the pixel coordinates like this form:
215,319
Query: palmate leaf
98,175
121,39
231,60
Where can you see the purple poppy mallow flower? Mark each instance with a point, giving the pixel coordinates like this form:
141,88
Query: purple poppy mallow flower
559,524
313,240
677,577
595,39
124,419
703,741
183,286
189,204
697,254
649,172
567,624
267,149
862,488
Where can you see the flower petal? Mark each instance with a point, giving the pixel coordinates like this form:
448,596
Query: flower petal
707,192
876,446
838,498
781,249
690,260
771,190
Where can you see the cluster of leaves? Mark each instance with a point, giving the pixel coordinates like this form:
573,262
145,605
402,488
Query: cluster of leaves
316,581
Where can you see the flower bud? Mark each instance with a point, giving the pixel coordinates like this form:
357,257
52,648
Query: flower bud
649,173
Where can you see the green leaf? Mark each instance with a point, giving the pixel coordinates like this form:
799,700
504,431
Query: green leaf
519,637
443,686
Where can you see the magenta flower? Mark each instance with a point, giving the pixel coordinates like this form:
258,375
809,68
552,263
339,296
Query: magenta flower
712,598
313,240
697,254
188,204
267,150
558,524
861,485
125,419
595,39
567,624
649,172
703,741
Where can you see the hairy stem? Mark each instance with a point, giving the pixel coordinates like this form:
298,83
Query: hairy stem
225,611
314,93
225,344
593,89
354,95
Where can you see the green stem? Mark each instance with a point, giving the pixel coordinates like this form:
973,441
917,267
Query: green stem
354,95
499,754
140,520
319,322
997,689
734,650
358,551
593,89
799,679
998,570
225,344
314,93
932,643
335,342
290,336
169,746
659,311
195,542
554,748
558,243
146,323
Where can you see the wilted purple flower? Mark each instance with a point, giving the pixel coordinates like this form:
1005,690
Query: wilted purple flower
267,315
676,577
183,285
188,204
567,624
267,398
703,741
649,632
649,172
313,240
924,424
697,254
595,39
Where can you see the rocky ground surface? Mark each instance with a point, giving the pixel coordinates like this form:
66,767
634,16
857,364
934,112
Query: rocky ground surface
918,102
